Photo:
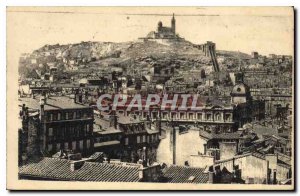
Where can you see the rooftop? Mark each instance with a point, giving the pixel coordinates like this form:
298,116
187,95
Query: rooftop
184,174
52,103
234,135
59,169
103,126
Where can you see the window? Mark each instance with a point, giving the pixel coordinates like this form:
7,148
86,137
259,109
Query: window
54,117
208,117
199,116
144,138
191,116
81,144
51,117
62,133
88,144
218,117
182,116
50,132
227,117
87,128
66,146
173,114
49,147
126,141
70,115
74,115
138,138
72,131
58,146
77,130
74,145
154,115
78,114
58,116
165,115
67,116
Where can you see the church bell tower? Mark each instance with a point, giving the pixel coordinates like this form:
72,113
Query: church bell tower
173,24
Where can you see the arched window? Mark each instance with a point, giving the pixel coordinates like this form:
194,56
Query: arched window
218,116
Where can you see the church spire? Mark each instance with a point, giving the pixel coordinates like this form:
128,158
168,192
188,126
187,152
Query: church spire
173,24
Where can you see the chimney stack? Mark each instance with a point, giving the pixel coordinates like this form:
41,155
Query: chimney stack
43,101
145,157
148,122
105,160
158,123
141,173
75,165
210,177
114,120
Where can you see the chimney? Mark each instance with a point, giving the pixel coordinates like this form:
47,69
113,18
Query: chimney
75,95
43,101
148,122
105,160
78,96
114,120
75,165
141,173
210,177
145,157
174,131
150,174
158,123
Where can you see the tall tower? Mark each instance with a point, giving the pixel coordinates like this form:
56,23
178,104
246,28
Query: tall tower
159,26
173,24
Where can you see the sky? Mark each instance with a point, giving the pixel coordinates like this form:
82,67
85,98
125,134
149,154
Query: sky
246,29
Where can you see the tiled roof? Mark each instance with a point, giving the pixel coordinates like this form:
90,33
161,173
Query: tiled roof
207,135
52,103
59,169
254,154
97,156
184,174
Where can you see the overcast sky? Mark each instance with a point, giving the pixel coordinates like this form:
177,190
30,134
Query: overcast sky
266,30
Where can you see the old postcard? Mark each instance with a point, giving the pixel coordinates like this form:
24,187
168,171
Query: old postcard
150,98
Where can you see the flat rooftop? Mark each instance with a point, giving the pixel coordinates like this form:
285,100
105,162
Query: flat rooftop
52,103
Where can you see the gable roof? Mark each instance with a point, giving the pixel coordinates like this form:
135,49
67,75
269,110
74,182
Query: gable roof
59,169
184,174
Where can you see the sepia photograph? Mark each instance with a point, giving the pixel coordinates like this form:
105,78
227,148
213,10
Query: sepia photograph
150,98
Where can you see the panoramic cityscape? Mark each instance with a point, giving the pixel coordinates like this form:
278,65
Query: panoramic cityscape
157,109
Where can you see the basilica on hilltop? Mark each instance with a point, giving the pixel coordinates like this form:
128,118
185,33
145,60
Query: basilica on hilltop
163,34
